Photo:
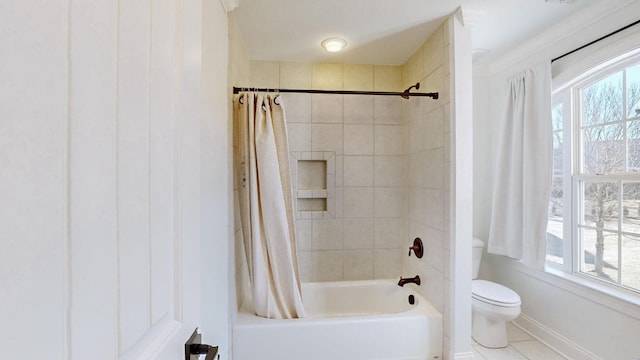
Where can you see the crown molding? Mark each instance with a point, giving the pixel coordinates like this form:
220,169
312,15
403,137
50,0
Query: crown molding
469,16
607,14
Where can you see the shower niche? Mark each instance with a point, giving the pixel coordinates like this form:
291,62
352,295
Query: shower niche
313,173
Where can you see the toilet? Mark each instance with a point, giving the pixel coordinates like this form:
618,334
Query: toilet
492,306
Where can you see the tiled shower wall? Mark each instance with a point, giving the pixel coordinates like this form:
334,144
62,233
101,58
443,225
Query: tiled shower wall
426,134
360,239
362,236
427,130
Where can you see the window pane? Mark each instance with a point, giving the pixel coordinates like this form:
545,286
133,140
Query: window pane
555,203
631,261
557,152
555,224
633,91
631,240
600,205
603,148
602,102
554,243
599,255
631,207
556,117
633,146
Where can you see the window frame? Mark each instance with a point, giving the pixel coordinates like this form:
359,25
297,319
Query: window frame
569,94
563,97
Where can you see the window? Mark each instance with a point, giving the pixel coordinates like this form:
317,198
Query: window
594,209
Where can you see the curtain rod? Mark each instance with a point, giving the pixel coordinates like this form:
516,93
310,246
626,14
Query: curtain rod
405,94
596,40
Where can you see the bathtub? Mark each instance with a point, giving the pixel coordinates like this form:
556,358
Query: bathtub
354,320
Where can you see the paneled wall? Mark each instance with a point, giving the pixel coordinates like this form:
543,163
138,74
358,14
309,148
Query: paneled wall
114,178
33,140
122,174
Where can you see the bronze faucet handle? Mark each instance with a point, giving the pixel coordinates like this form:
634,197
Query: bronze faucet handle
418,248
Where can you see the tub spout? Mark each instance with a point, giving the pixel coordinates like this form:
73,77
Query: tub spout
415,280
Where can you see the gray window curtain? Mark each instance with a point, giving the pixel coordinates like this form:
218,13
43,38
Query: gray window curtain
523,170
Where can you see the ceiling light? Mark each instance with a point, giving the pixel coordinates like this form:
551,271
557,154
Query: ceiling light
333,44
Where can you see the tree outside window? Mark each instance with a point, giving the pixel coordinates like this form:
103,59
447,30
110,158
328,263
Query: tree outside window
607,180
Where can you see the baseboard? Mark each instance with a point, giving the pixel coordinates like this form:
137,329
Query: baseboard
553,340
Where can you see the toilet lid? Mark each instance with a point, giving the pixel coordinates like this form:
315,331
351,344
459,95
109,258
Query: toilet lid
492,293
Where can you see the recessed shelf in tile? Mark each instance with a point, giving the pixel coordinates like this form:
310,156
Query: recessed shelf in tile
319,204
314,179
312,174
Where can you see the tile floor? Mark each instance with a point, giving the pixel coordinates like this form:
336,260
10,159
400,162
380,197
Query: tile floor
522,346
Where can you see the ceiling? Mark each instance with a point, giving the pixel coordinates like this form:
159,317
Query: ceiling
385,32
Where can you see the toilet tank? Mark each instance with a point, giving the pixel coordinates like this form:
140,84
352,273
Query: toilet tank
476,256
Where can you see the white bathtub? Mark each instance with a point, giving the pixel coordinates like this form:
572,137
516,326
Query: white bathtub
354,320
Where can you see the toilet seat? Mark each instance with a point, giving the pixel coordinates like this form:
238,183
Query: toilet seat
494,294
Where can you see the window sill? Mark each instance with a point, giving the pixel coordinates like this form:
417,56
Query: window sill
615,299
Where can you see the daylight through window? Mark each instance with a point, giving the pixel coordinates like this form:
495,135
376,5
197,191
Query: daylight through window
594,211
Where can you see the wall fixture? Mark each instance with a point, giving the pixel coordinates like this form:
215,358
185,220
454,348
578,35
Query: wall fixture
417,248
333,44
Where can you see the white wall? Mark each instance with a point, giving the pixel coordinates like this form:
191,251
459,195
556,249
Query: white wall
216,181
461,208
114,177
580,323
239,68
33,141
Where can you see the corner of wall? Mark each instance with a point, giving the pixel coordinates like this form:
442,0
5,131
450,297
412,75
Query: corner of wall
238,73
239,63
430,192
461,98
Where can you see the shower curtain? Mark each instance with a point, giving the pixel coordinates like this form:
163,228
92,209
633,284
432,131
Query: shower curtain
263,181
